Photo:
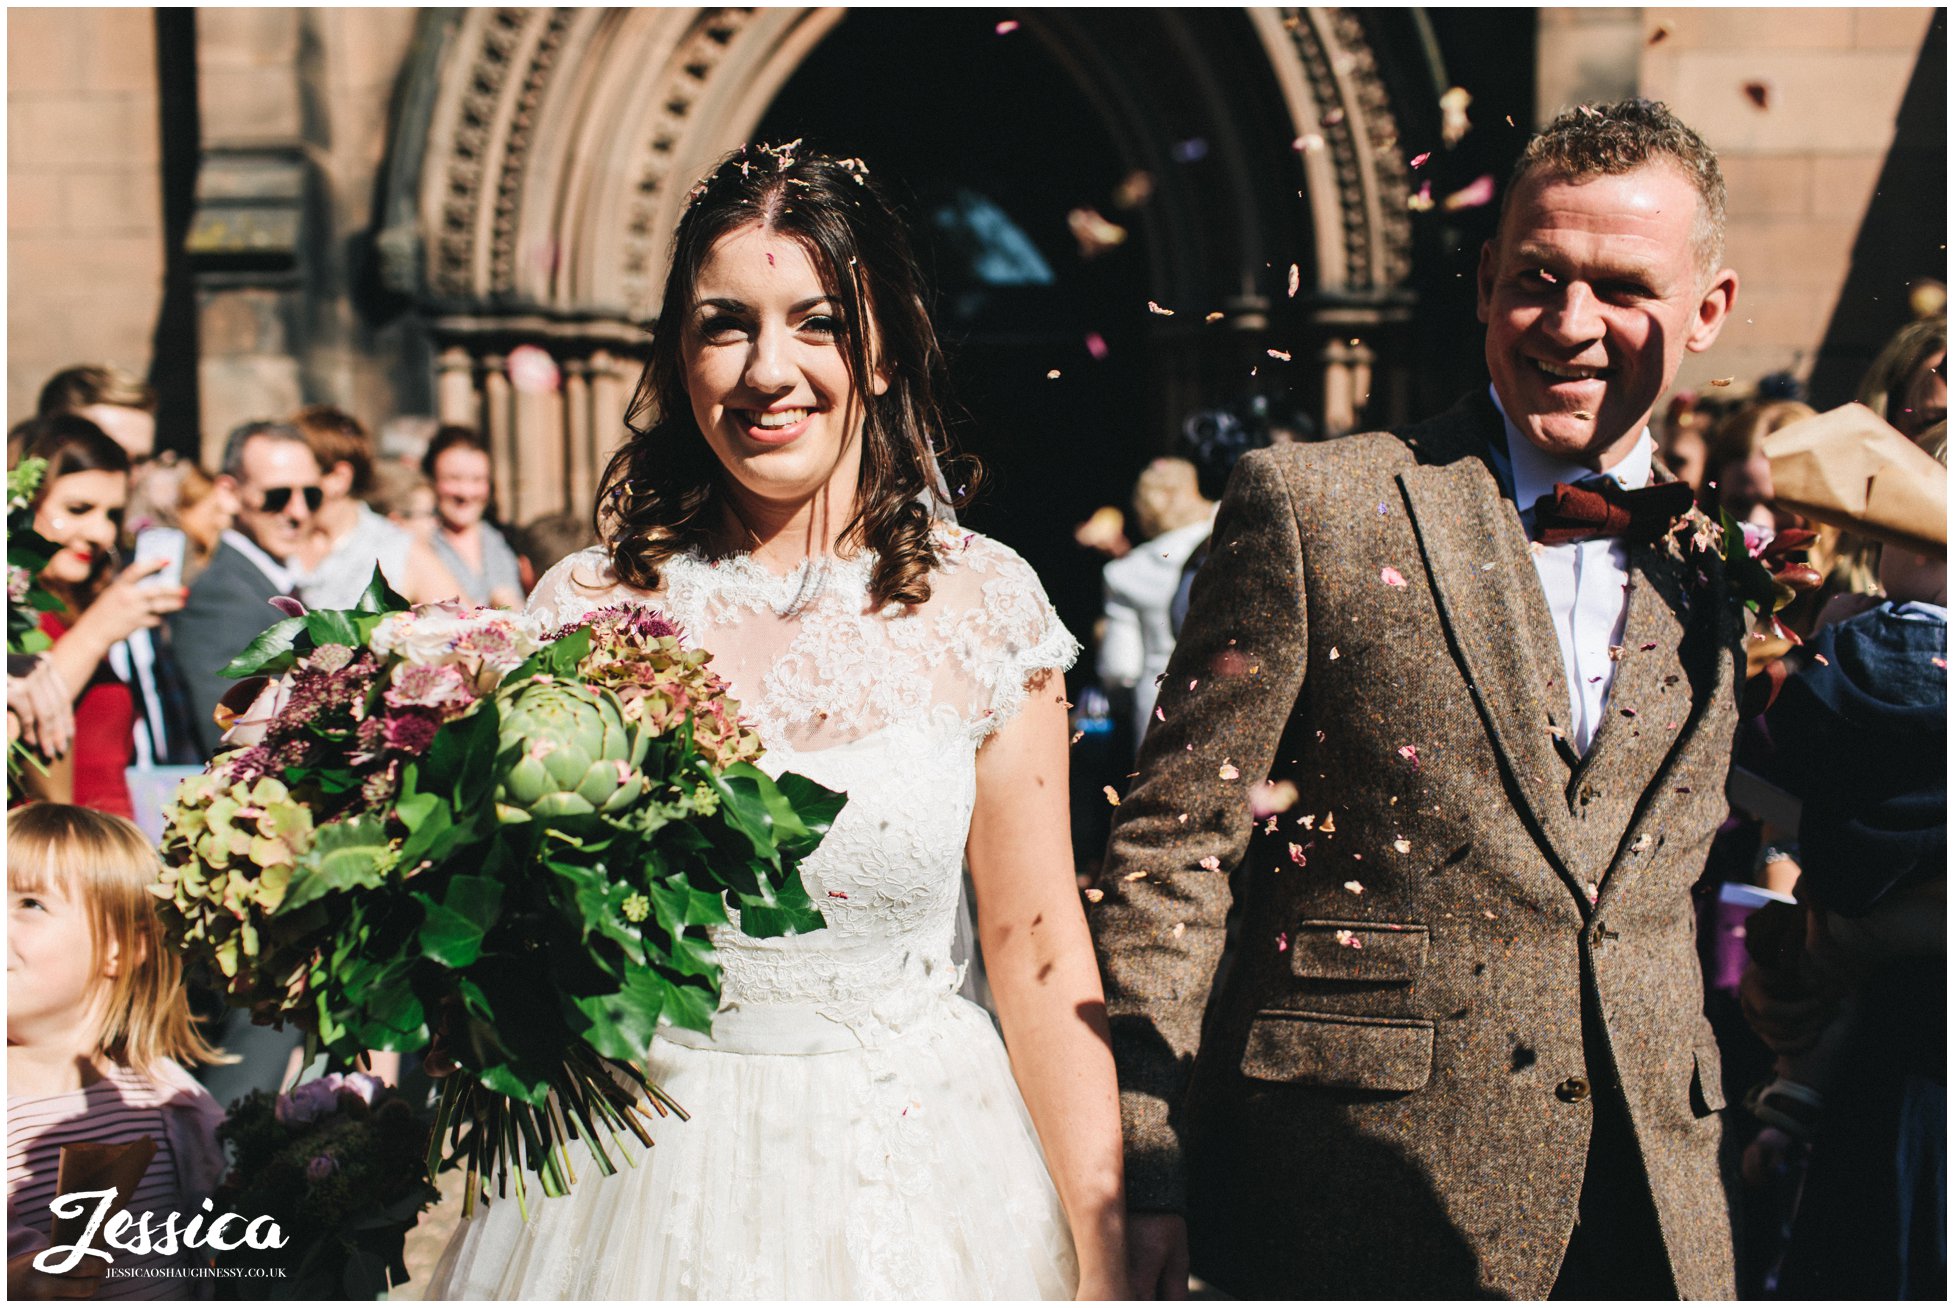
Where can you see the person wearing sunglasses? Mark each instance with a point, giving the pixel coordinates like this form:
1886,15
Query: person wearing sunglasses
274,476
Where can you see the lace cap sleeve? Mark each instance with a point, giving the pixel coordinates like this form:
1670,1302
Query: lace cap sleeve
574,587
1009,633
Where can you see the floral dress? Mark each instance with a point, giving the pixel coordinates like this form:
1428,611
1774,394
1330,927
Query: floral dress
855,1130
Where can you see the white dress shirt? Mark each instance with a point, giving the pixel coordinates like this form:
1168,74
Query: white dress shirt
1139,637
279,575
1586,581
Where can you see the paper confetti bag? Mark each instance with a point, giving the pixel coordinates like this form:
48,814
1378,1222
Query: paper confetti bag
86,1165
1850,469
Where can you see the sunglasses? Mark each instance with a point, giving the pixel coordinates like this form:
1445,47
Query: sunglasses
279,496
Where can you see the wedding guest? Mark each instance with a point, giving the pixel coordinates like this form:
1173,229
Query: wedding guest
1442,755
78,508
1859,735
402,494
542,543
1907,383
120,403
472,547
346,539
1173,519
1681,439
271,470
97,1031
205,510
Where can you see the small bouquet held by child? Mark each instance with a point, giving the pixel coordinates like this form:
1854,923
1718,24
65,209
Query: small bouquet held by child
337,1164
453,829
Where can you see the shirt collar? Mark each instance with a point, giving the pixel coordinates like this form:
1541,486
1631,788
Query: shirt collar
286,579
1532,472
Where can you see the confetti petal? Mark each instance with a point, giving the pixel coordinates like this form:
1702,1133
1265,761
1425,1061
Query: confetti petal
1052,375
1007,27
1154,308
1211,863
1272,797
1112,796
1418,160
1297,856
1391,577
1349,940
1280,354
1094,894
1229,772
1402,845
1295,280
1334,656
1282,942
1096,345
1354,887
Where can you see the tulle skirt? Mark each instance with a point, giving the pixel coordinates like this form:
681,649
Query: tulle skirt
820,1169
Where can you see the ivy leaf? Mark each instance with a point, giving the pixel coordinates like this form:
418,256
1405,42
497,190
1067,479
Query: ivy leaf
689,1007
815,805
270,653
378,597
453,930
346,855
620,1025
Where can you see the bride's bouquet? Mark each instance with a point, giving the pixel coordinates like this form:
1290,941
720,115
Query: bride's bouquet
450,829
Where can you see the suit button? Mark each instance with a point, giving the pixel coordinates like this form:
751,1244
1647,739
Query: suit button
1573,1090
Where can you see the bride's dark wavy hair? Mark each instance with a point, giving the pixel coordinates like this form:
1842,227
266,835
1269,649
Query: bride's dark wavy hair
659,490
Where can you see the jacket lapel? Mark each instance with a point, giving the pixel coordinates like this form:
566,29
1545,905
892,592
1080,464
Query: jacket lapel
1496,621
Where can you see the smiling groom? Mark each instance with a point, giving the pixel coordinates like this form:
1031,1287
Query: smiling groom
1458,1047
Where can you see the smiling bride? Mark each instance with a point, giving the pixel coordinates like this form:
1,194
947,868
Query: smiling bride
857,1129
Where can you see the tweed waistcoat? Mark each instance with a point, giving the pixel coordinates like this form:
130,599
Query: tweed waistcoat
1388,1093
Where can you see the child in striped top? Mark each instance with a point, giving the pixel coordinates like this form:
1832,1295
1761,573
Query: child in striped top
96,1019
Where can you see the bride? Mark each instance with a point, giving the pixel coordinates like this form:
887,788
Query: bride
857,1129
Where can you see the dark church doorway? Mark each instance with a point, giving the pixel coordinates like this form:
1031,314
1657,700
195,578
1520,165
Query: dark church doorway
991,138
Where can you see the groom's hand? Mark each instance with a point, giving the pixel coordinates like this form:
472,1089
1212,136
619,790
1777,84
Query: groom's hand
1156,1255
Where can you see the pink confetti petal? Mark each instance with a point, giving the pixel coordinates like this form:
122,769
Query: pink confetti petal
1392,577
1211,863
1409,753
1282,942
1007,27
1096,345
1418,160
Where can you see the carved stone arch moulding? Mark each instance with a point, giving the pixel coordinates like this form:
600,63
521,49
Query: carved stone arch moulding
563,141
1356,179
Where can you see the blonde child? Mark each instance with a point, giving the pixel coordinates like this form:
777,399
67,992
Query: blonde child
96,1021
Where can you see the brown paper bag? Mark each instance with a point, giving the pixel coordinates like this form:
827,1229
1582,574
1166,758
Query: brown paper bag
86,1165
1848,468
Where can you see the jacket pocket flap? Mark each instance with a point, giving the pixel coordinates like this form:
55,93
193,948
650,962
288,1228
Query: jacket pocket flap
1706,1085
1379,952
1338,1052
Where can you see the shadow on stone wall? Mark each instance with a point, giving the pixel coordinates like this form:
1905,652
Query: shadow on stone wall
1902,238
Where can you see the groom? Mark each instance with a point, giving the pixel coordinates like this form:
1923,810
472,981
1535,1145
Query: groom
1440,765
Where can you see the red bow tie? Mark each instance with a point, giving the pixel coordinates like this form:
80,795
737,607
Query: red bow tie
1601,506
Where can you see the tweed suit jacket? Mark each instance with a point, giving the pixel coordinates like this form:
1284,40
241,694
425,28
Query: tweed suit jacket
229,605
1387,1093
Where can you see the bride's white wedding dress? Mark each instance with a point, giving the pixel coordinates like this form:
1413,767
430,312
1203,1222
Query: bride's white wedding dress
855,1129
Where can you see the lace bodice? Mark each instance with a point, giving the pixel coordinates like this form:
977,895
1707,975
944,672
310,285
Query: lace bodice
889,706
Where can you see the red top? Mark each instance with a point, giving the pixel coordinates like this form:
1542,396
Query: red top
105,736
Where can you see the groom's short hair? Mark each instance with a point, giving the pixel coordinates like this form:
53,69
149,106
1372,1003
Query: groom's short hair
1610,139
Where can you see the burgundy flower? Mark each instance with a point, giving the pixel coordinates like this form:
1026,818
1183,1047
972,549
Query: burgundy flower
410,733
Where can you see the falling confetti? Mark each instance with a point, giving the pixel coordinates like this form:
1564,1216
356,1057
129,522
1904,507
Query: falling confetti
1052,375
1279,354
1007,27
1420,200
1334,656
532,371
1452,106
1112,796
1307,821
1295,280
1418,160
1642,842
1307,142
1271,797
1211,863
1229,772
1354,887
1134,876
1180,929
1154,308
1391,577
1134,190
1094,894
1722,381
1216,316
1475,194
1096,345
1409,753
1282,942
1329,824
1094,233
1402,845
1349,940
1297,856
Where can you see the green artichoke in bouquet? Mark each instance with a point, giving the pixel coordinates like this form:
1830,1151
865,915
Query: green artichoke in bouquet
578,755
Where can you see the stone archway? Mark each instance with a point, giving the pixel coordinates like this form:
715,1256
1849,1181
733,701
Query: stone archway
542,154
